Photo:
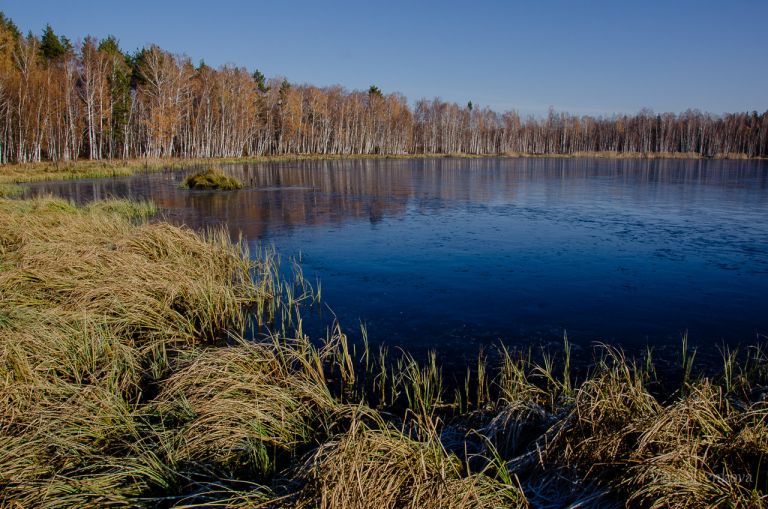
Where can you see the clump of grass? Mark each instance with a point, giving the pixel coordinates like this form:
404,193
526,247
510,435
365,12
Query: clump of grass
702,451
211,178
46,209
378,466
422,386
147,282
241,404
514,383
608,410
11,190
74,445
131,209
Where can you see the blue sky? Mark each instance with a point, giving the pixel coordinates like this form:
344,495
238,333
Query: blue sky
594,57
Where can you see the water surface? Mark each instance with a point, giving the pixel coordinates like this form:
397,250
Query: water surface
453,254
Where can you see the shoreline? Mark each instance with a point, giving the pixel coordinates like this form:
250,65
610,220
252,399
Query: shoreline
21,173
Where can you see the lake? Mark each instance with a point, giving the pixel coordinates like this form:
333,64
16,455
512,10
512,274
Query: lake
456,254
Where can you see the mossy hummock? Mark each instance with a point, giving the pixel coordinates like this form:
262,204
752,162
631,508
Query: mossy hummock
212,179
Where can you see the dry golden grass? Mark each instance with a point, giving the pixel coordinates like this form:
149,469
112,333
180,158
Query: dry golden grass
376,467
70,444
607,411
239,404
93,302
701,451
147,282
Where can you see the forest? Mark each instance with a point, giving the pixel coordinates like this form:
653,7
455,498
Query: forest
65,101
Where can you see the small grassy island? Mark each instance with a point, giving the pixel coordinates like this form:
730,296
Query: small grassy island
212,179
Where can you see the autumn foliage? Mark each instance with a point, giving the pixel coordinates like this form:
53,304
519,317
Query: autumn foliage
63,101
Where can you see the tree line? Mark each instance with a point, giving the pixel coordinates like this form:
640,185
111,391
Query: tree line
62,101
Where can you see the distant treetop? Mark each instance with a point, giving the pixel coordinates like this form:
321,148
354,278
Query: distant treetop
374,90
53,47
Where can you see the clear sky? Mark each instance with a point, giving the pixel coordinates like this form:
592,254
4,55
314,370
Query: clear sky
594,57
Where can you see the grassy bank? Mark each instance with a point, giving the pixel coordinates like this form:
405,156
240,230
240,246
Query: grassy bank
126,382
607,154
11,174
36,172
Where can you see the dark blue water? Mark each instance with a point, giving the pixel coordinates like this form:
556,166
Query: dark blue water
453,254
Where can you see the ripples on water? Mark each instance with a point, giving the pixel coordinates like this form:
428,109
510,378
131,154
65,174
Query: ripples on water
456,253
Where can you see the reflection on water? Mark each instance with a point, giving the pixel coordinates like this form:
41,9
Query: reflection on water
453,253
